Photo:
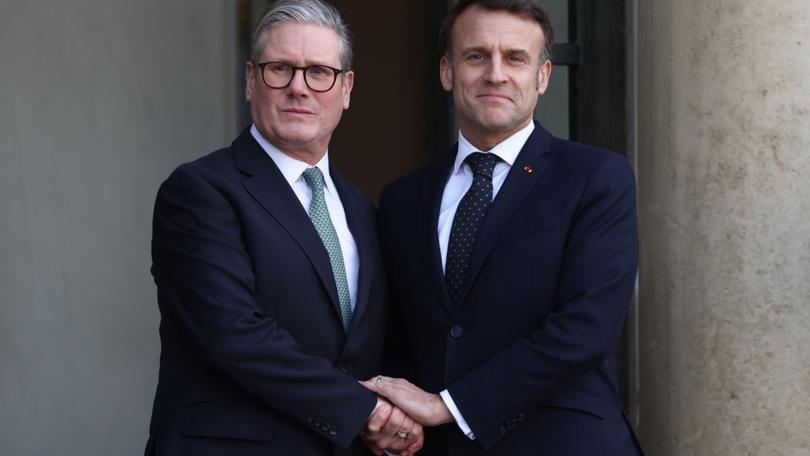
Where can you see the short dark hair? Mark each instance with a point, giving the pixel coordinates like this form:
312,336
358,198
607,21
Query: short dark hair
530,9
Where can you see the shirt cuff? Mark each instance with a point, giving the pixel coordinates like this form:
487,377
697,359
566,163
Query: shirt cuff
460,421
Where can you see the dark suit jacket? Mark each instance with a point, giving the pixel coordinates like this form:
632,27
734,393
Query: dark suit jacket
254,357
526,357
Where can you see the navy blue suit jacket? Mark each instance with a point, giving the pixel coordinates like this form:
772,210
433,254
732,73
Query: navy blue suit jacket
527,355
254,357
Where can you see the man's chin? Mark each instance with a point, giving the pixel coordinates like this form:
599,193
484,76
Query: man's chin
494,117
297,133
496,124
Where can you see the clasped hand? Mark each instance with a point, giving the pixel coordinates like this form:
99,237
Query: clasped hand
396,423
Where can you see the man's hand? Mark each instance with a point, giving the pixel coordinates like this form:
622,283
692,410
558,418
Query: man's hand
389,428
426,408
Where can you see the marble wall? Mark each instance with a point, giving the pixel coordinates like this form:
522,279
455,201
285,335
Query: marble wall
723,137
99,101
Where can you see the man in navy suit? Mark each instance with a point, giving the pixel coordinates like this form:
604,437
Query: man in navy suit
511,262
268,271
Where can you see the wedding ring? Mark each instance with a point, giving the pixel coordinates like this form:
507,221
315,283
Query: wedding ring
379,380
401,435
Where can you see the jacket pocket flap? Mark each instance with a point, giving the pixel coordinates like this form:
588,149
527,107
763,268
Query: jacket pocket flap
234,421
579,400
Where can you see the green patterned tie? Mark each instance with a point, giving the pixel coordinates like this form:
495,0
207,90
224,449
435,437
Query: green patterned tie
319,214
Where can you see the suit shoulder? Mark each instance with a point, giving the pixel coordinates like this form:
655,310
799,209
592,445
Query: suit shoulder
590,161
215,170
215,161
208,167
584,153
415,179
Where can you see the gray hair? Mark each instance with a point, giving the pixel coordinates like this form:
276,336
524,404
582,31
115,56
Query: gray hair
307,12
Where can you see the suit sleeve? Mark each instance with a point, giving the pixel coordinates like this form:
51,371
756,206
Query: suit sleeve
596,286
206,285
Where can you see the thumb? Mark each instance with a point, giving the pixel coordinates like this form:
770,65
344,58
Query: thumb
379,415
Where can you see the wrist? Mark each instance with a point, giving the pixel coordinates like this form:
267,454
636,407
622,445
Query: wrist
441,414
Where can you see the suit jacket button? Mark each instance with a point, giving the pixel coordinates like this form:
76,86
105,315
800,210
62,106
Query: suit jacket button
343,368
456,331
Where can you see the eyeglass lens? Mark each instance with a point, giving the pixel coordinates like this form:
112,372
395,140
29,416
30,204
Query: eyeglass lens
319,78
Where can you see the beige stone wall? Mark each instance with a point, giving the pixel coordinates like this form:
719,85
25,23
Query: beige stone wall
724,203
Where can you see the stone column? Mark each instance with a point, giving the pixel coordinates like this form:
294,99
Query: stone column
723,136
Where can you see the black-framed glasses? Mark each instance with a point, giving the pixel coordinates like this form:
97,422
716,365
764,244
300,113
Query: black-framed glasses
278,75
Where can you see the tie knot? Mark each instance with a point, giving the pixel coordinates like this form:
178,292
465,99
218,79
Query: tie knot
314,178
482,164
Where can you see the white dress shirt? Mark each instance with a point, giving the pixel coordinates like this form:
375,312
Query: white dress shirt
460,181
293,169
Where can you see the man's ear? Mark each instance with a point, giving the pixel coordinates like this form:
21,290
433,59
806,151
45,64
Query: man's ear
346,88
249,79
446,73
543,76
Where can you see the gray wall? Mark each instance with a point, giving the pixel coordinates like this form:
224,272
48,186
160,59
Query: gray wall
99,101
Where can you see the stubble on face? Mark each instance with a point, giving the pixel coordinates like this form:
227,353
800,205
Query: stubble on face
495,74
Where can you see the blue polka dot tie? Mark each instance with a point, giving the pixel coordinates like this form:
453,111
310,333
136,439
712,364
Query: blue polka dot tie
469,216
319,214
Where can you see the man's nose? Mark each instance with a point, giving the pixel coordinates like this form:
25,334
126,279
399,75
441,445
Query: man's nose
495,71
298,85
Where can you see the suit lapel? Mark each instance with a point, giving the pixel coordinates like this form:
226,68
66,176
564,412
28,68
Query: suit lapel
362,239
431,197
519,181
267,185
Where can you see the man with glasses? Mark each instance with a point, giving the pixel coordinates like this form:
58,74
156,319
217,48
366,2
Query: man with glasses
512,261
269,277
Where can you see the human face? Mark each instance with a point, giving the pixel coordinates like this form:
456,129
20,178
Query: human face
296,119
495,74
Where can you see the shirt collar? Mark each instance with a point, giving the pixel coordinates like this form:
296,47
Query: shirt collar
291,168
507,150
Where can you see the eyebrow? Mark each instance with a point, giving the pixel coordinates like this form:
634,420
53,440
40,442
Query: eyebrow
483,50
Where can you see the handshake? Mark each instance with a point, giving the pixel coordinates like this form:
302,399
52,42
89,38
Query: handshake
403,409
